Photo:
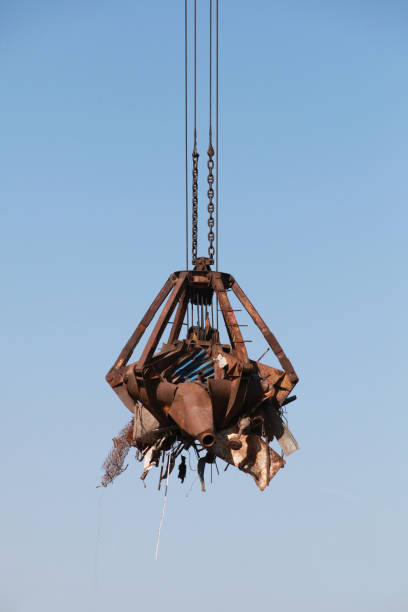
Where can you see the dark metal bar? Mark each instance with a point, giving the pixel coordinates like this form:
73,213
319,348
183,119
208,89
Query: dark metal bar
187,311
268,335
178,319
264,353
289,400
130,345
242,325
160,326
231,324
234,310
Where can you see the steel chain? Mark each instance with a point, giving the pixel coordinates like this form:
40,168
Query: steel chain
195,203
210,194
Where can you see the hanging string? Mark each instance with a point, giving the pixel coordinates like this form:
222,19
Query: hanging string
98,539
192,485
164,506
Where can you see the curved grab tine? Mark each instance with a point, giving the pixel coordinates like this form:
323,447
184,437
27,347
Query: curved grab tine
162,321
134,339
230,320
179,318
268,335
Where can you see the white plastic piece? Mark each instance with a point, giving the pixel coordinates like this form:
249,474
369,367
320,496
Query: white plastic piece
222,362
287,441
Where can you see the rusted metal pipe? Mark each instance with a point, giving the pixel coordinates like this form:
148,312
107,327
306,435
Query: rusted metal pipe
192,411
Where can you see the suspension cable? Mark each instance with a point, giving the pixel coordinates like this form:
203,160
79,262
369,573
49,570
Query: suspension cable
186,122
216,141
210,163
213,181
216,150
195,153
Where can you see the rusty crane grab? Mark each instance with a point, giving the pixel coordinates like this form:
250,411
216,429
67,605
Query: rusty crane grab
196,391
199,390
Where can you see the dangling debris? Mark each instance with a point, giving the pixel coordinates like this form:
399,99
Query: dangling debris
182,471
113,464
199,392
196,390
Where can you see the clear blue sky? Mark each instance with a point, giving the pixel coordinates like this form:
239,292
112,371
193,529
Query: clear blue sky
313,212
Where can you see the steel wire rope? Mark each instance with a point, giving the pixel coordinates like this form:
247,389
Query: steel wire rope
210,152
186,121
216,148
186,133
216,136
195,153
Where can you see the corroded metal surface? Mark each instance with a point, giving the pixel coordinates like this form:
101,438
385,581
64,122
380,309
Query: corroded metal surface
197,392
192,411
249,453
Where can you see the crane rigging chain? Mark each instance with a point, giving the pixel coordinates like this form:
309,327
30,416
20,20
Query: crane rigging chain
210,163
194,240
198,391
210,193
195,202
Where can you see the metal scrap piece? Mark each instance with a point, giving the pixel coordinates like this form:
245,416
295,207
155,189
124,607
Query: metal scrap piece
199,389
250,457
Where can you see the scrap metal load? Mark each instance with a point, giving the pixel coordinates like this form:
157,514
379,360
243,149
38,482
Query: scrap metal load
197,392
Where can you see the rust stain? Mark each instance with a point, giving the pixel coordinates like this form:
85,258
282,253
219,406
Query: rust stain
194,391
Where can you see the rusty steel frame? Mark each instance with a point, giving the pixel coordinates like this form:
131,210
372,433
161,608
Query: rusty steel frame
197,410
233,330
266,332
162,321
180,285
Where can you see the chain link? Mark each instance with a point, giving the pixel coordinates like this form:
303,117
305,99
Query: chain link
195,203
210,194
